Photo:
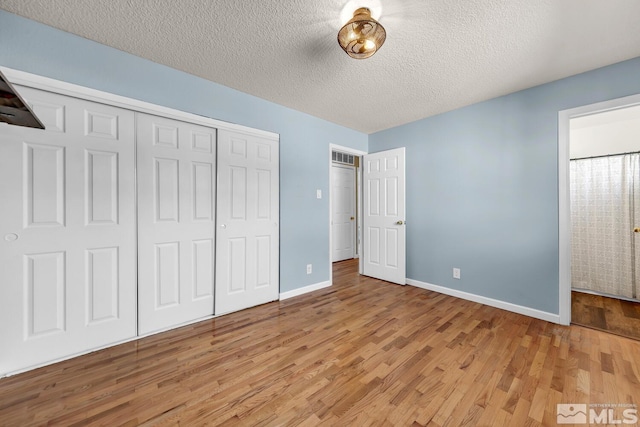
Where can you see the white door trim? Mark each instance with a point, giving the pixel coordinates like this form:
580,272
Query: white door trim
23,78
348,150
564,207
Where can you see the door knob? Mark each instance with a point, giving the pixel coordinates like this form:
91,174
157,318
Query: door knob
11,237
223,225
352,218
399,222
636,230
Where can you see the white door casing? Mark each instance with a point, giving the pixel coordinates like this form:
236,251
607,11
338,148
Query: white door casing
247,249
67,231
564,204
384,216
176,221
343,222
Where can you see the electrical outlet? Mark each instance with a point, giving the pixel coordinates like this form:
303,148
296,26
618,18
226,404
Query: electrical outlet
456,273
318,194
309,268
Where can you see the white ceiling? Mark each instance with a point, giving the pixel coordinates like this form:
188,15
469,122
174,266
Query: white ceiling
439,55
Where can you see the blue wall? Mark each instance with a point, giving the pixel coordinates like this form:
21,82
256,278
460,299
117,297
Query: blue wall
304,140
482,188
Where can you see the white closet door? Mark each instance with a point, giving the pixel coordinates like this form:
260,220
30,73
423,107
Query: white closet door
176,241
247,257
67,231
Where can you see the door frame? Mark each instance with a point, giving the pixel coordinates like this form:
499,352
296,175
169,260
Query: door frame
359,153
564,203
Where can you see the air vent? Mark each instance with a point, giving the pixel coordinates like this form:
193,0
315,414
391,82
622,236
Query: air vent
344,158
13,109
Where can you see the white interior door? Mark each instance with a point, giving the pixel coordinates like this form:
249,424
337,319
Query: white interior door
343,224
176,198
247,257
67,231
384,215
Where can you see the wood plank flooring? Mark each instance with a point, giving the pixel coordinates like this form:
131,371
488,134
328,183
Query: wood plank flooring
606,314
360,353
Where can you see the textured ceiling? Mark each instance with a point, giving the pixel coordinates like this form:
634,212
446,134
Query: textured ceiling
439,54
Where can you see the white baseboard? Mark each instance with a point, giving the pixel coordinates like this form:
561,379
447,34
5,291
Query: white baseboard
304,290
527,311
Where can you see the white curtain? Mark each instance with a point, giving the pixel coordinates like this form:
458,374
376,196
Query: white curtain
605,193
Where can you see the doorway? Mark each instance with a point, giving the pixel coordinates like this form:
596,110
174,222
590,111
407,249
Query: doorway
604,170
599,176
380,213
345,203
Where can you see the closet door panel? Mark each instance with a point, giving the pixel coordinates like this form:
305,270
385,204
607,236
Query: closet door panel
176,192
67,247
247,253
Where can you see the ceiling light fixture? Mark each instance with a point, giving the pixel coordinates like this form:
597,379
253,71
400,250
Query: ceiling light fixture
362,36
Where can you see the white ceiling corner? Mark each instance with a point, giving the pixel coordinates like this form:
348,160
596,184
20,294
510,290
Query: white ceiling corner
439,54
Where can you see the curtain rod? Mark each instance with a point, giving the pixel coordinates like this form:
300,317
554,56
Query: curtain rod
606,155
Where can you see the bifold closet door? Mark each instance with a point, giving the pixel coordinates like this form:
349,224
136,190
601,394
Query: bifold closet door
176,229
247,254
67,231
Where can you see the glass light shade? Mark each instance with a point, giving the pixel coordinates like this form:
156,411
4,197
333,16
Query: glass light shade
362,36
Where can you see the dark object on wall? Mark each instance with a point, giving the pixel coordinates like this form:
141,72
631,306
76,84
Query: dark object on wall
13,109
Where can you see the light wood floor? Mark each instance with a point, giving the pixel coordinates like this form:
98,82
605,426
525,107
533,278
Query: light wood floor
607,314
362,352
